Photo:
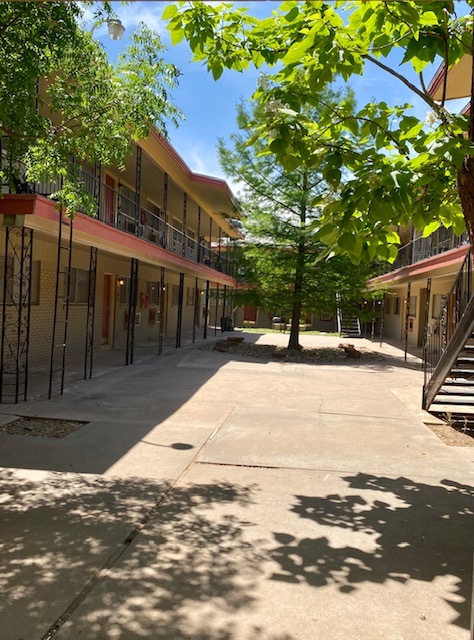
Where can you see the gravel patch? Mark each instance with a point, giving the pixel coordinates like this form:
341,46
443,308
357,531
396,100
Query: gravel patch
42,427
452,435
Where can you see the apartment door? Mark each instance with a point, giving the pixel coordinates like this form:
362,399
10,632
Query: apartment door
106,309
109,199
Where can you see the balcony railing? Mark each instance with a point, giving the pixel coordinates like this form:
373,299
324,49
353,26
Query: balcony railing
422,248
122,212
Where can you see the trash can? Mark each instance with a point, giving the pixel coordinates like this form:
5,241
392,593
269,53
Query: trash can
226,324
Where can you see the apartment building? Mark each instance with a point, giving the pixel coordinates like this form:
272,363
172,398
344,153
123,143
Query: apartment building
144,269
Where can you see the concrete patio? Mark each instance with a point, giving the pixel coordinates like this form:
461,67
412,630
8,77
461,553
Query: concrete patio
214,497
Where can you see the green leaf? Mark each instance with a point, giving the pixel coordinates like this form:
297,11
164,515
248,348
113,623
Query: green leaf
170,11
431,228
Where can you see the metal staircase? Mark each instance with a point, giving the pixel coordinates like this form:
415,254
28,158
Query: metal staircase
448,390
348,323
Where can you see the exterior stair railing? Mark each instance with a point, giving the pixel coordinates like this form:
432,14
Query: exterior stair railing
449,335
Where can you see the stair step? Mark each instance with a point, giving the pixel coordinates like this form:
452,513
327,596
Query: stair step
455,401
462,373
454,410
457,382
460,391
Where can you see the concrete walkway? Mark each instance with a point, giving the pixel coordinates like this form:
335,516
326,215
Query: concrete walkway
219,498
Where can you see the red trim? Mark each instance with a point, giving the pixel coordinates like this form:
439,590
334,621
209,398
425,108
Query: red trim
437,80
446,259
46,209
195,177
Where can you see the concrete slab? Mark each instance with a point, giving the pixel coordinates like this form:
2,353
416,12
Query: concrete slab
326,441
243,554
58,529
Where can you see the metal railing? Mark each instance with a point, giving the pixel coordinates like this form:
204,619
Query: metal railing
440,333
422,248
122,212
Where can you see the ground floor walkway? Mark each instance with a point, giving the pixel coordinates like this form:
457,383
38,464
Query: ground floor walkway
215,497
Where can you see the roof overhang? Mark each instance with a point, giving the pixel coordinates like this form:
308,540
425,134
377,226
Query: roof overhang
458,83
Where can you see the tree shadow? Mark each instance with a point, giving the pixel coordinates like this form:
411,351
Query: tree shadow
418,531
60,530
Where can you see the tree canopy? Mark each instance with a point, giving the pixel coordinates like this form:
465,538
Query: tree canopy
61,98
401,169
286,270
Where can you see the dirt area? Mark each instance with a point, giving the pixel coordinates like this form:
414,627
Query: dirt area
306,355
42,427
454,435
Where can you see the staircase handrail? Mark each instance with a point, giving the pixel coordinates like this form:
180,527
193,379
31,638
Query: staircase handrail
465,327
445,330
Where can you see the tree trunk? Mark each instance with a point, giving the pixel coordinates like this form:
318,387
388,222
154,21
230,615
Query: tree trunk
466,194
296,311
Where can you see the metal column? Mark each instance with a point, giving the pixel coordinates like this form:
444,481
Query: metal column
407,317
185,222
206,310
199,236
16,304
61,308
90,313
217,306
132,310
138,179
162,311
196,309
165,212
179,322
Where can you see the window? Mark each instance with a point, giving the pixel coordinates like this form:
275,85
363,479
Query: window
153,293
412,309
396,311
78,286
13,282
387,305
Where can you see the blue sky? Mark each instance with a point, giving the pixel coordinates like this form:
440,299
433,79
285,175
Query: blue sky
209,106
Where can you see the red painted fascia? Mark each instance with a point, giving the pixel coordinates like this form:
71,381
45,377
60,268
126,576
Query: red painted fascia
19,204
449,258
437,80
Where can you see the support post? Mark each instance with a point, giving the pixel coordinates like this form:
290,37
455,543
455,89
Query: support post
217,308
89,354
407,318
164,238
162,311
185,222
132,309
138,176
206,309
179,323
199,249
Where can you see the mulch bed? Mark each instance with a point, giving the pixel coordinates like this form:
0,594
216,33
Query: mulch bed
42,427
306,355
454,435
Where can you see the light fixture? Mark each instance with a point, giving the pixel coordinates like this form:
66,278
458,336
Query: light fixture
115,28
121,282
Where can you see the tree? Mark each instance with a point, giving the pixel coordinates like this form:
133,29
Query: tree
61,98
284,267
407,170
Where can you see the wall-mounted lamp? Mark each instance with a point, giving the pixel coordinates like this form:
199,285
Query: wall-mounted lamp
121,282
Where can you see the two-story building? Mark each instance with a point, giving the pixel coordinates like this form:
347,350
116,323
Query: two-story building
145,269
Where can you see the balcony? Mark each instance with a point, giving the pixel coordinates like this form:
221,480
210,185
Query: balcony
422,248
118,208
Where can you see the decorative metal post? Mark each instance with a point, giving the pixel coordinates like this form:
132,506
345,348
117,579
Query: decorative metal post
382,317
138,179
90,312
206,310
196,308
16,305
199,251
185,222
132,310
216,311
179,323
162,311
164,241
425,329
97,189
407,319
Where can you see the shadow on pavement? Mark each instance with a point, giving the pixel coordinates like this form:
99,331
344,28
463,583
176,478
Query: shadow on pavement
421,532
